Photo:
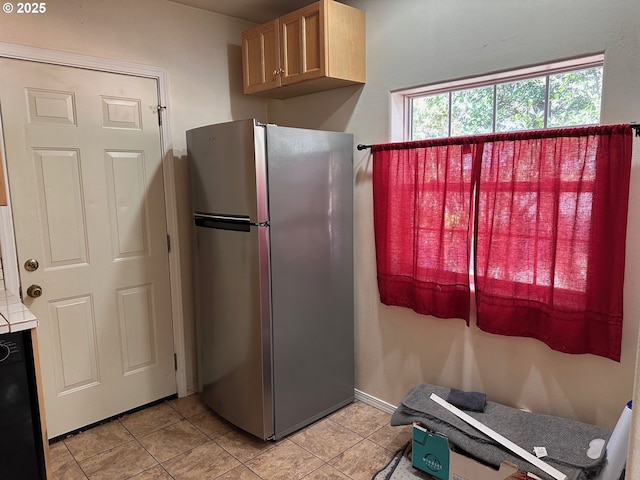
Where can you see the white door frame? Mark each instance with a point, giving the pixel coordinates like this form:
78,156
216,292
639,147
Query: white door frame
54,57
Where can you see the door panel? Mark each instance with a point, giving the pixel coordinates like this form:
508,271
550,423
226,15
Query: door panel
125,175
60,203
135,314
73,318
84,168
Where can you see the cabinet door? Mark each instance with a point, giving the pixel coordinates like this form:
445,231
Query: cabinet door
302,34
261,57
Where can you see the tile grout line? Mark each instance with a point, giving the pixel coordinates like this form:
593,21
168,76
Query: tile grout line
145,449
193,410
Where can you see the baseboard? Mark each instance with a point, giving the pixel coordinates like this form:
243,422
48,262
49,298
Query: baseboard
191,389
374,402
362,396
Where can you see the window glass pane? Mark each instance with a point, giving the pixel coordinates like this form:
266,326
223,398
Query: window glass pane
574,98
430,117
556,100
520,105
472,111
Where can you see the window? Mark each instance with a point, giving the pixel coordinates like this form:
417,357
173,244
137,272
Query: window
528,215
556,95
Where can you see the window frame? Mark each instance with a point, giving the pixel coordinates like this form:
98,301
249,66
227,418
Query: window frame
401,120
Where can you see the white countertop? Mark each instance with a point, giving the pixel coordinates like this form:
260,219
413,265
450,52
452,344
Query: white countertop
14,315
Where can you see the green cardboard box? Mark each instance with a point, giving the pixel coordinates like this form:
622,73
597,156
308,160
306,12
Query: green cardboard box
431,454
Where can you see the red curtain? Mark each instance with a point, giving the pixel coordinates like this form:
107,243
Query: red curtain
550,235
422,200
550,210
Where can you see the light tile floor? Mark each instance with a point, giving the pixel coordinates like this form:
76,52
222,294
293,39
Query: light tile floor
182,439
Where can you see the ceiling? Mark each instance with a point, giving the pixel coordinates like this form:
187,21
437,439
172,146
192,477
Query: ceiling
257,11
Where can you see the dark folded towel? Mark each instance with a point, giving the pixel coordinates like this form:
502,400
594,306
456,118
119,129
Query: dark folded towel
473,401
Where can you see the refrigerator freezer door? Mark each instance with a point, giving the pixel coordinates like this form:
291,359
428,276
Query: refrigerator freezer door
311,216
227,163
233,311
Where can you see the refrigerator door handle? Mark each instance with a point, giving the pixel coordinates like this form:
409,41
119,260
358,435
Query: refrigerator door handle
240,223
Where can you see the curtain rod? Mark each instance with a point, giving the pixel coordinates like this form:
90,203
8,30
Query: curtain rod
633,125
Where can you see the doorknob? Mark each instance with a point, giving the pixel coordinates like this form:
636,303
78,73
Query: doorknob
34,291
31,265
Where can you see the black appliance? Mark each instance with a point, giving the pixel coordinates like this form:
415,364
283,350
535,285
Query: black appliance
21,453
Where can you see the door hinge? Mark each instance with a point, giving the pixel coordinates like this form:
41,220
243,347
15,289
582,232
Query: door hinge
175,361
159,109
169,243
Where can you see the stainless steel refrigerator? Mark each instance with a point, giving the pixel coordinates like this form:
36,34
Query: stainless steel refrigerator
273,266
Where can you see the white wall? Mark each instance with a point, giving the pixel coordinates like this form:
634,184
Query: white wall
419,42
201,52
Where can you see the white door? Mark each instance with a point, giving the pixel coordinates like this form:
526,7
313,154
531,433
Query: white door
85,177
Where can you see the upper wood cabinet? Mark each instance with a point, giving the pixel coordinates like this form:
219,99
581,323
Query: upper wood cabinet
315,48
